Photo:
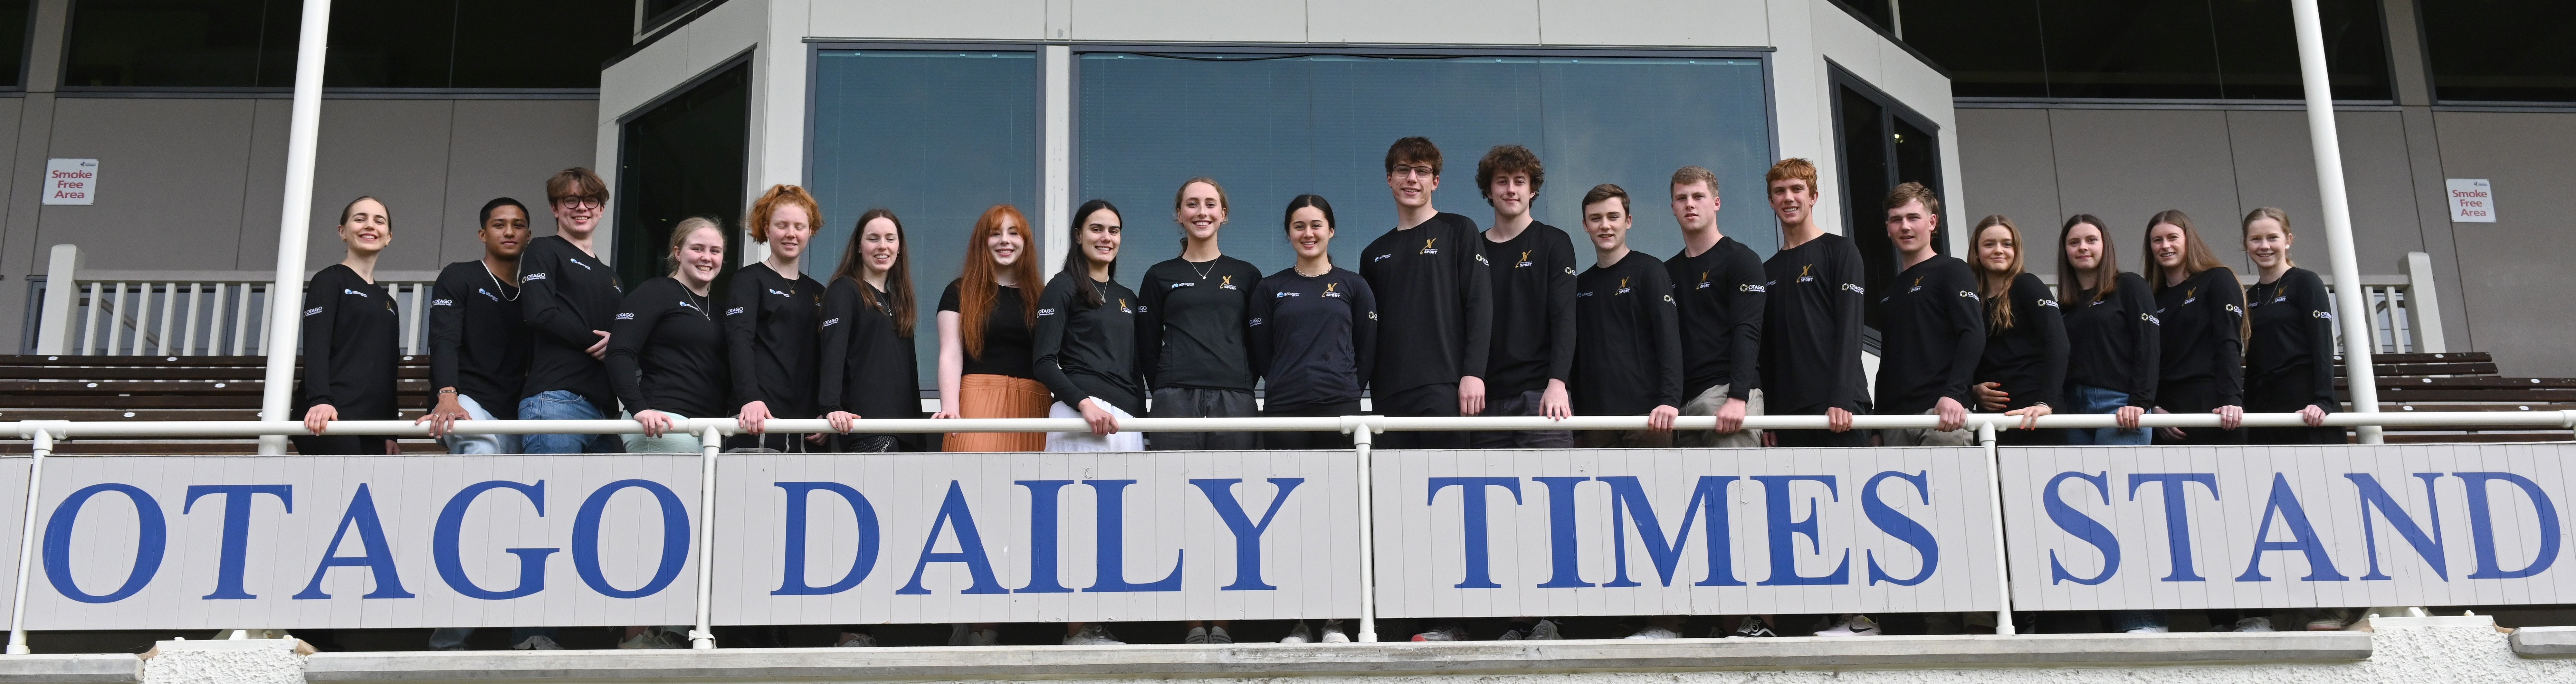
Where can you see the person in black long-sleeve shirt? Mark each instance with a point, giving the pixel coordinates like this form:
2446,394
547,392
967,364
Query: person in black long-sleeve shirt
868,362
772,311
568,295
351,337
666,351
1932,325
1718,287
1630,361
1085,342
2111,338
2200,308
2024,366
2289,360
1533,304
1314,332
1430,273
1811,318
1190,328
478,342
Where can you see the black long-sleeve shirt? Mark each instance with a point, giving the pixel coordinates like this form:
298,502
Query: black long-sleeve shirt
1190,329
1933,331
566,293
1314,338
1006,334
865,366
2293,342
1720,295
1431,278
666,351
2028,360
1630,336
1089,351
770,322
2202,339
478,341
351,338
1533,305
1811,328
2111,342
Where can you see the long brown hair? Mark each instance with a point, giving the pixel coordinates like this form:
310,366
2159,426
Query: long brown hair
898,300
975,287
2196,259
1996,286
2106,275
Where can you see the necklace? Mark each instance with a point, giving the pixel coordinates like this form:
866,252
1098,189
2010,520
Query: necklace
1328,269
693,300
503,291
1203,274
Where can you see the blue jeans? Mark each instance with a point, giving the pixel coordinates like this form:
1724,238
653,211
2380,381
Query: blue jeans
2090,400
564,405
479,444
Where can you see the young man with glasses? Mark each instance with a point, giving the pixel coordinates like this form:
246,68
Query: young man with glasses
1429,276
567,294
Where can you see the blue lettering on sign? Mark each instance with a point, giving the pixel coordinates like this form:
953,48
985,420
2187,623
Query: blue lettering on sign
235,550
1904,529
451,524
2177,516
675,539
1563,556
1111,535
1247,534
2303,537
379,560
2429,547
152,534
1708,498
1784,562
2082,527
970,547
865,515
1471,502
1043,536
2482,525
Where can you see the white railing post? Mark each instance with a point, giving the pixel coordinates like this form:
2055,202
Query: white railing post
711,440
1362,435
44,447
2423,309
1995,509
62,299
286,298
2327,148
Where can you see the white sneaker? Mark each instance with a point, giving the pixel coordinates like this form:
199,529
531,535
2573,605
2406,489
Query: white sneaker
849,640
2254,624
2151,629
1851,625
1298,635
1092,635
984,637
1440,634
1333,633
1198,635
1653,633
538,643
1217,635
1545,629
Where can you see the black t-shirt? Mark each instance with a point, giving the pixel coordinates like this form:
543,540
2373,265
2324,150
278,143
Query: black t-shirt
1314,338
2028,360
2293,343
1432,278
478,340
1933,333
867,368
1720,294
2111,342
1085,350
2203,343
1190,329
351,340
566,293
1811,329
666,352
1006,334
1533,304
1630,336
770,322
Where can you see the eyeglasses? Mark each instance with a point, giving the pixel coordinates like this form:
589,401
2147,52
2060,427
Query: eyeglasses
1412,171
579,202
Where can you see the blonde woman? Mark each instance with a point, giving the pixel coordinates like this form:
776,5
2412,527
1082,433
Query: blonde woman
2024,364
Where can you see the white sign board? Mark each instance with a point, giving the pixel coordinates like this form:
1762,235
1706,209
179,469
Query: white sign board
1036,537
1684,532
71,181
2472,200
364,542
2288,527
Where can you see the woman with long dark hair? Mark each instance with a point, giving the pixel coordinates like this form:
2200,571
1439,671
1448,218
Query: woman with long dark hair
1086,353
984,321
1190,331
2200,309
2111,338
2024,365
2289,360
868,367
351,336
770,314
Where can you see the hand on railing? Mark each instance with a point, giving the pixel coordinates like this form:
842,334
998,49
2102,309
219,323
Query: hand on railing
2315,416
443,417
655,422
1952,414
842,421
1102,423
1730,416
2127,417
1661,419
2030,415
319,417
1837,419
754,417
2229,417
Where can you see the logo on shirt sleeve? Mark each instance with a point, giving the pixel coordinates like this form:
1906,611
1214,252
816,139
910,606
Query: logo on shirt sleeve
1381,257
1177,286
1749,287
1255,323
731,311
532,277
442,302
1140,308
576,261
781,294
1855,288
1480,261
2151,319
2231,308
350,291
1967,294
829,322
626,317
2050,303
2327,315
1042,313
312,311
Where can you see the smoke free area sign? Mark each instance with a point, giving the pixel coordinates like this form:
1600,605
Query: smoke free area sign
71,181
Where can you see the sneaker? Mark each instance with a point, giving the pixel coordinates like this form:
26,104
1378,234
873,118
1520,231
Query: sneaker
2149,629
984,637
957,633
1851,625
1333,633
537,643
1545,630
650,638
1653,633
1217,635
1752,628
849,640
1441,634
1198,635
2254,624
1092,635
2331,620
1298,635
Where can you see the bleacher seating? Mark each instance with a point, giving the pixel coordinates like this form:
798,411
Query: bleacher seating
34,387
2461,381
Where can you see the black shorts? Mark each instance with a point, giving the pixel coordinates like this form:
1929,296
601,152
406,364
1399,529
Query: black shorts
1193,402
1432,401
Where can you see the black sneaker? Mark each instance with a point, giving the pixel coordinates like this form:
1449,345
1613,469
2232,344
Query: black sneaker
1753,628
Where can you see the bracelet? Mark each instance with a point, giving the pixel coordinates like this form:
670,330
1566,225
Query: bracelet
447,390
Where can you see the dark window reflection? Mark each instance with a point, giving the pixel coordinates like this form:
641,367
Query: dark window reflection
683,158
2501,50
1991,49
14,16
2144,49
374,43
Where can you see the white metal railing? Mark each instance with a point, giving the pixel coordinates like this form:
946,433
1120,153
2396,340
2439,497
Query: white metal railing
183,313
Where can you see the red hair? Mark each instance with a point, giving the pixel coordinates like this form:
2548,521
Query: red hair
976,289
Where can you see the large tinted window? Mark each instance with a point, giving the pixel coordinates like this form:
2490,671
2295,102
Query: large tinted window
2501,50
935,136
683,158
374,43
1271,127
2155,49
14,15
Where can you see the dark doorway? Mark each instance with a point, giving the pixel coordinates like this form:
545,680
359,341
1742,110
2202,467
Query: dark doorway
681,158
1881,144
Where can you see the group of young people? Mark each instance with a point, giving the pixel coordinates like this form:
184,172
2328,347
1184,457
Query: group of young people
1497,321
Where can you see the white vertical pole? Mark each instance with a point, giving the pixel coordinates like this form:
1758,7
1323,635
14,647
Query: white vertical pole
1361,437
27,541
1995,511
286,298
2357,335
711,440
1052,220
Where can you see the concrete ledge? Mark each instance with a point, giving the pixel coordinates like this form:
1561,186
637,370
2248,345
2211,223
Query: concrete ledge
67,669
2544,642
1264,660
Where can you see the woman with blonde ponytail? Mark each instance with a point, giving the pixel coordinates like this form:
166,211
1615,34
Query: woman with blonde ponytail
2289,358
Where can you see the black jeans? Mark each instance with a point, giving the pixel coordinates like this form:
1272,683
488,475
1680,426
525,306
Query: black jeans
1193,402
1310,440
1425,401
1518,404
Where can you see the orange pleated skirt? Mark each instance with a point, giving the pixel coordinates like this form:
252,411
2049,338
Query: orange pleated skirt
999,396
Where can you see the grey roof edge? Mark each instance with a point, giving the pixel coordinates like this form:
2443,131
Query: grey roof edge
2544,642
52,668
1261,660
